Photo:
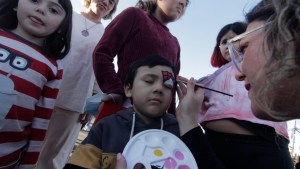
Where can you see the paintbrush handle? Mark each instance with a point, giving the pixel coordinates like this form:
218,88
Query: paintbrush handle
199,85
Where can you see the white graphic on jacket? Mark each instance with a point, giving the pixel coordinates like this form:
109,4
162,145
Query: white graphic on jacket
8,95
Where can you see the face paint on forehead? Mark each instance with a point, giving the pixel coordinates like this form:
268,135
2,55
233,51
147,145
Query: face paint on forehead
168,79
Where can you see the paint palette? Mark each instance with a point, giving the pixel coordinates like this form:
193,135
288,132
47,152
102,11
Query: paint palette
158,149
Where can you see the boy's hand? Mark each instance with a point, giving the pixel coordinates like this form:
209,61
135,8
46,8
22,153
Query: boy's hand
190,102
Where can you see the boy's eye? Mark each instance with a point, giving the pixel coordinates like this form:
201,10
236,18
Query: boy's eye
34,1
149,81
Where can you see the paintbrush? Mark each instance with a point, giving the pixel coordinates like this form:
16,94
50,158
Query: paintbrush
199,85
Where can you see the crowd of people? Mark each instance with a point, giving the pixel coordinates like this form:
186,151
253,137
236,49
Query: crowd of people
52,59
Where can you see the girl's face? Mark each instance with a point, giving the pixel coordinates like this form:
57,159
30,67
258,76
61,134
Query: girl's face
38,19
171,10
102,8
223,45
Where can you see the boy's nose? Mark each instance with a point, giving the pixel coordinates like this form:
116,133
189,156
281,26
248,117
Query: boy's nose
158,88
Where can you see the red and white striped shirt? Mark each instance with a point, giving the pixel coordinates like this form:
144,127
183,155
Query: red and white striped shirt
29,84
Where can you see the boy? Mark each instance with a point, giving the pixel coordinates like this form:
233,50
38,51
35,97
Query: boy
150,84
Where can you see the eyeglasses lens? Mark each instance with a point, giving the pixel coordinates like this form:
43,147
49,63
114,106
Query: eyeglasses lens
235,54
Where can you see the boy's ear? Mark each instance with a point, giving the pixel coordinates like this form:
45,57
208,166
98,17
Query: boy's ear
127,90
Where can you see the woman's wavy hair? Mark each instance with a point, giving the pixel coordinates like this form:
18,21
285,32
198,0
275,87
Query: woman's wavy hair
87,3
217,60
282,40
56,45
149,5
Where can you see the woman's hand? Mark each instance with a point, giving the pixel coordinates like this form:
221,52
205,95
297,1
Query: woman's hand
190,102
121,163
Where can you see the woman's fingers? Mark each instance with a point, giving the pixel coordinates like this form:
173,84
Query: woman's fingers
121,162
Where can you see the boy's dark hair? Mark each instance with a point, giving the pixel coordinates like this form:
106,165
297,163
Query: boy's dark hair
217,59
150,61
56,45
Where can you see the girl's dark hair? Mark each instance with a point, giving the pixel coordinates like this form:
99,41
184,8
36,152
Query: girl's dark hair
150,61
217,60
56,45
149,5
263,11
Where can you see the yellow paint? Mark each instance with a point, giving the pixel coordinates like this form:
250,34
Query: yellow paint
158,153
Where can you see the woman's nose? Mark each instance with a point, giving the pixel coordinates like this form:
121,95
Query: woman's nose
239,76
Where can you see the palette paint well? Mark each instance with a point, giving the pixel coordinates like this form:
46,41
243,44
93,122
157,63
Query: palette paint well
158,149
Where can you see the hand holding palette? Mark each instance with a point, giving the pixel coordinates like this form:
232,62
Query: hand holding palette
158,149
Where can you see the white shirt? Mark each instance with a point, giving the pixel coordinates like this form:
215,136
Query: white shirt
78,77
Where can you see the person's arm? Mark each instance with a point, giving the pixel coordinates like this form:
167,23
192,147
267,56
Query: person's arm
43,110
201,149
88,154
114,38
85,156
190,101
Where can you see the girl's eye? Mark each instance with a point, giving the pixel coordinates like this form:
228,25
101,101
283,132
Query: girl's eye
111,2
53,10
224,42
34,1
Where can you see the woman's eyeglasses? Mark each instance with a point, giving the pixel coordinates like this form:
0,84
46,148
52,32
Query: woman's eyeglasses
233,47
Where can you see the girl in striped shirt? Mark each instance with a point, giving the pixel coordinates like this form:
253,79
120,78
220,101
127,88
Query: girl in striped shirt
34,34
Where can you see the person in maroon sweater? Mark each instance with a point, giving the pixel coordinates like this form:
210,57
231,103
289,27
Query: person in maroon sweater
135,33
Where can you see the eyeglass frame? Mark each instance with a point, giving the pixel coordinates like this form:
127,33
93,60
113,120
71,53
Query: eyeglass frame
232,50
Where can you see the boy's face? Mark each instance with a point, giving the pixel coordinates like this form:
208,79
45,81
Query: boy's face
152,91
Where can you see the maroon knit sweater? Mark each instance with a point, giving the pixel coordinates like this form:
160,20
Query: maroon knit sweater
133,34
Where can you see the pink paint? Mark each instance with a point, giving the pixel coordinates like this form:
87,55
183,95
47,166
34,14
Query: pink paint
170,163
179,155
183,167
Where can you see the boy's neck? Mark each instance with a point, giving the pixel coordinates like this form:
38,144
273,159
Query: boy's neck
146,119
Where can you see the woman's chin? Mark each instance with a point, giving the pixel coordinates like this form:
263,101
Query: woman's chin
261,114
